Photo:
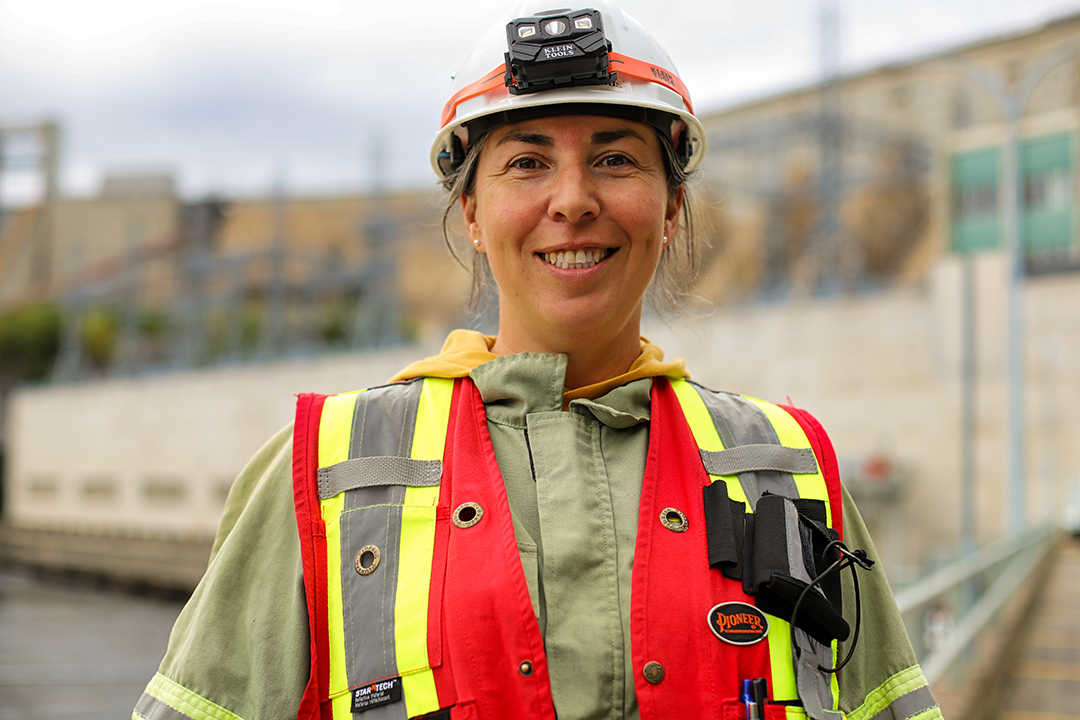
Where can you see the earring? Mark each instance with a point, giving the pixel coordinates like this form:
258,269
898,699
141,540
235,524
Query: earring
476,242
665,240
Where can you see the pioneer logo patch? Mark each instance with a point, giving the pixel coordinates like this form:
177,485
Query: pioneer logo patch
378,693
738,623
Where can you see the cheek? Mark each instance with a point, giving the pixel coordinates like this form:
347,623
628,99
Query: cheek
647,212
502,218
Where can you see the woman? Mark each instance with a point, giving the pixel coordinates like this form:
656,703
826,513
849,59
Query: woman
553,520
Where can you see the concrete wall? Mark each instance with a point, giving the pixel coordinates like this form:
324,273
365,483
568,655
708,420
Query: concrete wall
881,372
156,455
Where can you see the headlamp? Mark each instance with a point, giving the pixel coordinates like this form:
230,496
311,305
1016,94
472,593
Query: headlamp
558,48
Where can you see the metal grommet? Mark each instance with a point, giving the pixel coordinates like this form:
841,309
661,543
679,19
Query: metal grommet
525,668
467,515
653,672
674,519
371,555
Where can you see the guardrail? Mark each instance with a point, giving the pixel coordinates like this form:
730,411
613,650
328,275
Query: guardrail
979,585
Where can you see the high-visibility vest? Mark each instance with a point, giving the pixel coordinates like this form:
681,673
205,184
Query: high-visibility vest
417,600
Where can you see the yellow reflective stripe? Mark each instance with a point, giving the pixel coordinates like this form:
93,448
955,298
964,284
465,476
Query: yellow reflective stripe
432,419
411,610
335,428
185,701
790,433
705,435
417,551
697,415
335,435
884,694
335,605
341,707
783,675
933,713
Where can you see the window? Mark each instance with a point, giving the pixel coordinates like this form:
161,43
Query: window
99,490
1048,197
164,491
43,488
975,200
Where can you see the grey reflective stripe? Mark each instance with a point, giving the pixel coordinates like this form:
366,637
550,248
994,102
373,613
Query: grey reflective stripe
374,471
751,458
368,600
384,420
383,424
740,422
813,685
796,563
151,708
908,705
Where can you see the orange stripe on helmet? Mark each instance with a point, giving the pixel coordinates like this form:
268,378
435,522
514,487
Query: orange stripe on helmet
626,65
489,82
623,64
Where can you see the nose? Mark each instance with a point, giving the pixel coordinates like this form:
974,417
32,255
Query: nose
573,195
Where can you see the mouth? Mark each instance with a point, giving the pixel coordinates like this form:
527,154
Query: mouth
576,259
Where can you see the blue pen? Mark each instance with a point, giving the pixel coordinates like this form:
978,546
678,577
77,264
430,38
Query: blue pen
748,699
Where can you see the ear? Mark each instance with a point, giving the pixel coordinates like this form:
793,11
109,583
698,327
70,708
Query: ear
472,226
671,216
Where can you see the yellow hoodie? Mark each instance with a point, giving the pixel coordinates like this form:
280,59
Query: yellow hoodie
466,349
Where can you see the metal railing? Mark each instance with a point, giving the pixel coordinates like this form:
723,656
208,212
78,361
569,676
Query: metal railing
979,584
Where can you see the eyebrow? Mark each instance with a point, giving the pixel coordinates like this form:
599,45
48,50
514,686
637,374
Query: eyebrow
529,138
600,137
606,137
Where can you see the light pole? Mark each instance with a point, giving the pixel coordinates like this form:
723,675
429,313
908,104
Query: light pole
1012,101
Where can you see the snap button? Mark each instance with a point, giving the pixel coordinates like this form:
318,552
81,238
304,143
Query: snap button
674,519
367,560
653,672
525,668
467,515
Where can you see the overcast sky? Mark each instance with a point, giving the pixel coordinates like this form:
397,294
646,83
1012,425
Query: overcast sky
239,96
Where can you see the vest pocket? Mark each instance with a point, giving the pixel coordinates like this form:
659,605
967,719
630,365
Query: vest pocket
387,550
736,710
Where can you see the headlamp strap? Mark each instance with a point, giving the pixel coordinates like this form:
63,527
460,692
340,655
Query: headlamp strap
623,64
626,65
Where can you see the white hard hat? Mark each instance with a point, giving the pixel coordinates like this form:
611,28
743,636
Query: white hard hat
494,86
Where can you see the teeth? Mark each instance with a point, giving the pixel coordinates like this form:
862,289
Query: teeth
570,260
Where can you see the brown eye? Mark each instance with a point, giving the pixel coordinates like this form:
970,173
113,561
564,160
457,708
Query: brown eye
615,161
526,163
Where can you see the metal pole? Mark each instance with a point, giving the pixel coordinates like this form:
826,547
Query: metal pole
1012,203
967,413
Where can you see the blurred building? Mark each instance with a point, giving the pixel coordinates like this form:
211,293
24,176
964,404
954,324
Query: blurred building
865,180
182,284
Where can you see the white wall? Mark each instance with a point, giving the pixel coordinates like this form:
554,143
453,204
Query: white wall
168,445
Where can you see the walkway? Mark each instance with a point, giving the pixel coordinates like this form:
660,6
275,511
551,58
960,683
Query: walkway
1045,680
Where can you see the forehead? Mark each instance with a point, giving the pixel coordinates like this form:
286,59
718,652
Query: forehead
573,130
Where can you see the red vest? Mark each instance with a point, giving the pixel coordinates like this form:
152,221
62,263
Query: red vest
484,646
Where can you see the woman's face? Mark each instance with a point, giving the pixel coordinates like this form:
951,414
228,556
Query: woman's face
571,211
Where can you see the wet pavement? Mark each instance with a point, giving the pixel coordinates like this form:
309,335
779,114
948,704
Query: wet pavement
70,650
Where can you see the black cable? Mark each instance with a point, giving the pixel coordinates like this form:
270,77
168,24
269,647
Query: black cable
846,559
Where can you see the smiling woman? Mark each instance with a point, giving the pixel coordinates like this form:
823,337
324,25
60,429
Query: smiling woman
573,213
551,521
